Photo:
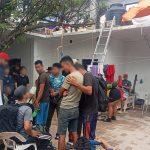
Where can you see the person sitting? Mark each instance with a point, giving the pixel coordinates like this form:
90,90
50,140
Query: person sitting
84,144
114,99
24,121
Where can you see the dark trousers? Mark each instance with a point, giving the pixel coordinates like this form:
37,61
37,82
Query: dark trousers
52,108
88,122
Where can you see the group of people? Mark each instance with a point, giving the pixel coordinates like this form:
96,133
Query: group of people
73,96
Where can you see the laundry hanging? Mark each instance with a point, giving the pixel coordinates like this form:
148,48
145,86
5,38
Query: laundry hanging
109,71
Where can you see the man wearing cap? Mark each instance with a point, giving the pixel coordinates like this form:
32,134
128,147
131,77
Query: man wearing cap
4,58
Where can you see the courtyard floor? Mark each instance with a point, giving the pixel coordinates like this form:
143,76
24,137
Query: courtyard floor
131,131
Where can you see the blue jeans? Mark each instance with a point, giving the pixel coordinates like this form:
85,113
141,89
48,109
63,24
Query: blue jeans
83,119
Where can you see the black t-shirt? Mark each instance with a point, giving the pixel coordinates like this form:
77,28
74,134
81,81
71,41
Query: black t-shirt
89,103
22,80
115,94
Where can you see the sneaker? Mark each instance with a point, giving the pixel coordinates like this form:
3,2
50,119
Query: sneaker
113,118
69,146
107,120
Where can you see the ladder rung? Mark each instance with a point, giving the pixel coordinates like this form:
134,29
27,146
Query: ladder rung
105,30
104,36
102,44
99,53
96,61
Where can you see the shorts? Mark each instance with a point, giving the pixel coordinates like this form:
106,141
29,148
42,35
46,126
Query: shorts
42,115
68,119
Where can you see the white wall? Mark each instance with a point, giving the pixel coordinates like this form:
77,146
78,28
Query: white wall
138,62
82,47
24,51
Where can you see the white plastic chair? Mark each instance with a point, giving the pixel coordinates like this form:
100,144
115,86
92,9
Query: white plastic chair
129,102
146,104
11,144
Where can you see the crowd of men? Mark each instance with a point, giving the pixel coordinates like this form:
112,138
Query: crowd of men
73,96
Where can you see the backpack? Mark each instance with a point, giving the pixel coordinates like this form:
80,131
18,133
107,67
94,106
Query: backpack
8,117
102,97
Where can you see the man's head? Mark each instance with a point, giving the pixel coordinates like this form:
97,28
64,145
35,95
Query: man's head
125,76
66,63
56,69
23,70
39,66
8,91
6,71
21,94
80,68
49,70
4,58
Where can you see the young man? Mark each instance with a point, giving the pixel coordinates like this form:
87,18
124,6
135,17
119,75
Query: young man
24,120
88,104
22,78
4,58
56,80
42,95
69,107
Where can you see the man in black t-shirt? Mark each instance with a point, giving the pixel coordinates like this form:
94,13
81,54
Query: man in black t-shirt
88,104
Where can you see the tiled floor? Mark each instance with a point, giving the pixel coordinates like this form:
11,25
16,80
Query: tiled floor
131,131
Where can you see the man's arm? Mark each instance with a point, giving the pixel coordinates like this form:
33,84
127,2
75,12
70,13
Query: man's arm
61,91
85,89
28,124
29,131
40,93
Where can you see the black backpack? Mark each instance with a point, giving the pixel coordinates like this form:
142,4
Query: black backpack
8,117
102,96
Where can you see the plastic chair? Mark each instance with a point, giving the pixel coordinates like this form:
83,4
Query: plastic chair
11,144
146,104
129,101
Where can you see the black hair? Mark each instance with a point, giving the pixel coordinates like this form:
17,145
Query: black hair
38,62
57,65
22,67
82,144
78,66
66,59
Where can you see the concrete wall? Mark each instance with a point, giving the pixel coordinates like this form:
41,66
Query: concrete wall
24,51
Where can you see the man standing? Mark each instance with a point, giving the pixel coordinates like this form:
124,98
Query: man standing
4,58
56,80
69,107
88,104
42,95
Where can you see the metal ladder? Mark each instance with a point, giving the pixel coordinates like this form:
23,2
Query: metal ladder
105,34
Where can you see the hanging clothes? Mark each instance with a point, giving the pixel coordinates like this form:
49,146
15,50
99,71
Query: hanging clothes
94,70
110,73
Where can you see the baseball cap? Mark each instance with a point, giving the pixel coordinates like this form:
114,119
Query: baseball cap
20,91
4,56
